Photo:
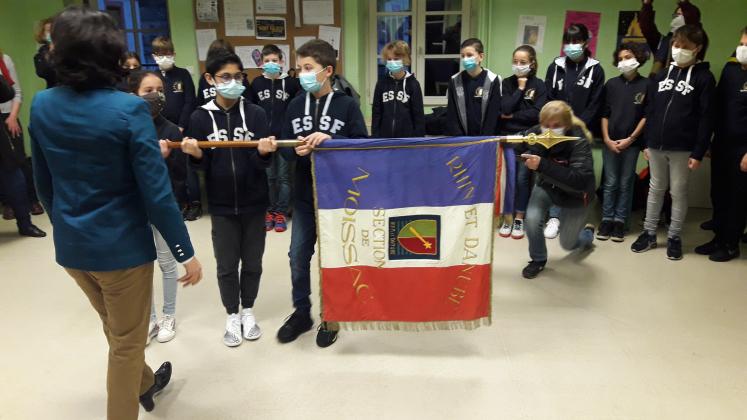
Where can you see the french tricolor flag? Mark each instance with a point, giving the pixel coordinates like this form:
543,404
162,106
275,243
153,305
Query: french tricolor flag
406,231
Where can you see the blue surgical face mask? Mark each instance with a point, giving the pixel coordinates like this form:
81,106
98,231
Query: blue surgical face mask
230,90
48,38
573,51
272,68
394,66
469,63
309,82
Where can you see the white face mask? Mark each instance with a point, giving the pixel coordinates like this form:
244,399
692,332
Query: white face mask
628,66
165,62
520,70
557,131
677,23
742,54
682,56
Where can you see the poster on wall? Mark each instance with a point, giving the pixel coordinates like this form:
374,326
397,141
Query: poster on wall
205,37
271,28
591,20
251,56
531,31
239,17
206,10
318,12
629,30
271,7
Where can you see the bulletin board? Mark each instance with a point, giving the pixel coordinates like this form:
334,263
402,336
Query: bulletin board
208,21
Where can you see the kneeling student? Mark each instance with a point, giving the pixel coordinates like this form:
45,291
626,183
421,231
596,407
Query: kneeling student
236,189
565,179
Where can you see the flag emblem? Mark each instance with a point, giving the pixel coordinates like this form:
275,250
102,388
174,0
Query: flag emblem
415,237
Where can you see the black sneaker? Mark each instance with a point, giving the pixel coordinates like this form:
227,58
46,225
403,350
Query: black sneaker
605,230
724,254
193,211
325,336
674,248
162,378
618,231
32,232
707,225
707,248
298,323
533,269
644,242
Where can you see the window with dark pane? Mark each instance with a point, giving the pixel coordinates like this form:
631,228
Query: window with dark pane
141,21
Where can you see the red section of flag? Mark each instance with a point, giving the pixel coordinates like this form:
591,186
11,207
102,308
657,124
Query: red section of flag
417,294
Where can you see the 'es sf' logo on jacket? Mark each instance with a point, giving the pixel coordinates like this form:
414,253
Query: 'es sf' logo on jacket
682,86
390,96
327,124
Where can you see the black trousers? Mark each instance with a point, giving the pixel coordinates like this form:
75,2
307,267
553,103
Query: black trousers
239,239
728,195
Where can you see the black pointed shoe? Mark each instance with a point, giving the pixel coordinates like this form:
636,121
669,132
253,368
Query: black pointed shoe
32,231
162,378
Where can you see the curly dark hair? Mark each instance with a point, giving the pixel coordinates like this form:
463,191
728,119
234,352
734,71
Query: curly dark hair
638,50
88,47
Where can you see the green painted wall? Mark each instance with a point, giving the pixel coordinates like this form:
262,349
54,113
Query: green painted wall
17,23
182,24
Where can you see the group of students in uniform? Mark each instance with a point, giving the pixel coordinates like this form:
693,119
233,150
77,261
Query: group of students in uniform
671,117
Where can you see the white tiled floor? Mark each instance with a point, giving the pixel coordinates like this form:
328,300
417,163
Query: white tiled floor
615,336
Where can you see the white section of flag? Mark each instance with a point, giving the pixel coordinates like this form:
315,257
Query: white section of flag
461,240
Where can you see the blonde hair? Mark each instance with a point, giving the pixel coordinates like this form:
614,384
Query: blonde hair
39,35
561,111
399,48
162,44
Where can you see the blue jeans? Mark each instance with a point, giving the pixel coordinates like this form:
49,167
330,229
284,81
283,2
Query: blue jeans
278,179
572,234
523,186
619,171
508,205
168,266
303,239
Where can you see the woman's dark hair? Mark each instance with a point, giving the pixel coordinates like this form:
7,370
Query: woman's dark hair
88,47
577,33
220,45
136,79
128,55
640,53
696,35
532,57
220,59
474,43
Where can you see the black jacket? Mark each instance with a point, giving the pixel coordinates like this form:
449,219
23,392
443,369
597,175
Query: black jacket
206,91
679,116
177,161
6,90
305,115
235,178
180,96
566,170
482,104
273,95
731,108
625,105
584,94
398,108
523,105
43,66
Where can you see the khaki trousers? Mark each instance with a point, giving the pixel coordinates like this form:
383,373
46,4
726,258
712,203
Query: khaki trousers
122,298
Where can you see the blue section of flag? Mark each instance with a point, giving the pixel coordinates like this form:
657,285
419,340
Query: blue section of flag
396,173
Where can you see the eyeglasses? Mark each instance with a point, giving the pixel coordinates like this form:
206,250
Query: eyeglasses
226,77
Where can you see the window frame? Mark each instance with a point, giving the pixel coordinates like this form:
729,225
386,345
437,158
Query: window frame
134,36
418,17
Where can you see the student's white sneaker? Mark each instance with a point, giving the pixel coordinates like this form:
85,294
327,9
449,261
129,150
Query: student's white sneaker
232,337
505,230
152,331
249,324
166,329
552,227
517,232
